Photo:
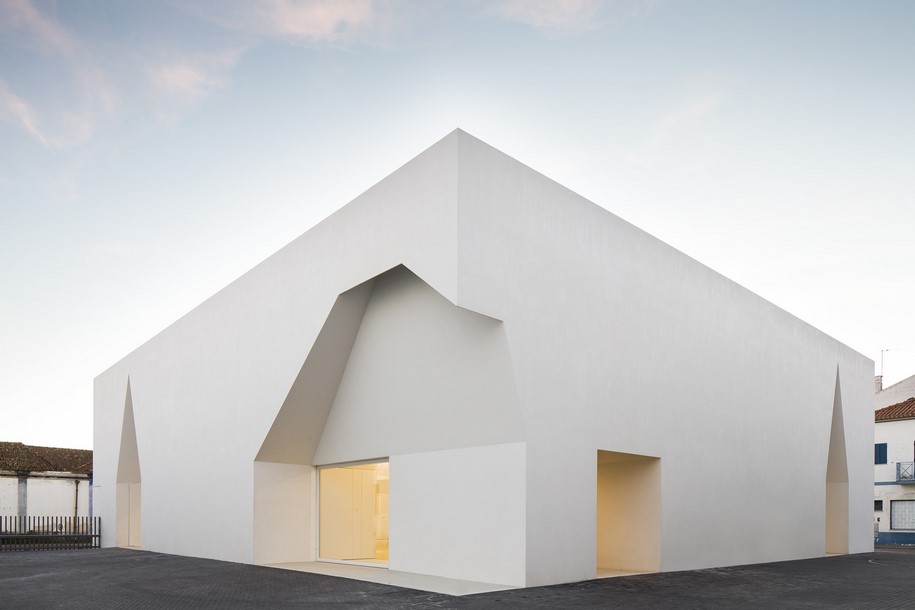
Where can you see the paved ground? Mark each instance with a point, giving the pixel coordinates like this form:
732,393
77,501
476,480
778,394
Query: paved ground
116,578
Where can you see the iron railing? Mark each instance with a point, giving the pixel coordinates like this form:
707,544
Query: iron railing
905,471
50,533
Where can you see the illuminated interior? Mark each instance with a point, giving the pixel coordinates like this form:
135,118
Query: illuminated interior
628,513
353,513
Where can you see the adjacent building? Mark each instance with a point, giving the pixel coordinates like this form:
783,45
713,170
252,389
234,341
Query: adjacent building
894,473
45,481
472,372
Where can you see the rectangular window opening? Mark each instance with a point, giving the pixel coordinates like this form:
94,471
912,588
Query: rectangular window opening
902,514
880,453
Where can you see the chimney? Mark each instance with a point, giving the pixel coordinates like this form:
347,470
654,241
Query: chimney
878,383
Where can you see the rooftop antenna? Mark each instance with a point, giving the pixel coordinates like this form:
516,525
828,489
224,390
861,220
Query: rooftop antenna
878,380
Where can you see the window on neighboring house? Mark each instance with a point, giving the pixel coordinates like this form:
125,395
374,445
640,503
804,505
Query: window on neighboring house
878,505
880,453
902,514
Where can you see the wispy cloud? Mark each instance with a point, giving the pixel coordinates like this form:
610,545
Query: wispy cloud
91,94
669,125
70,127
44,34
180,83
554,16
571,17
311,21
15,110
178,79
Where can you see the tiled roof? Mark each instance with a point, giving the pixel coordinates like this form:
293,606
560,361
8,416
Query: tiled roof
20,457
900,410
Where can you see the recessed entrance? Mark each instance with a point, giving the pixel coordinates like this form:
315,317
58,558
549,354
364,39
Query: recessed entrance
353,513
628,513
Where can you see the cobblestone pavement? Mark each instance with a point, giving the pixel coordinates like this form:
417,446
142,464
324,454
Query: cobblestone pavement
117,578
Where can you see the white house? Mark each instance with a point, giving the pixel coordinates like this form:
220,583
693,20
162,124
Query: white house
894,473
472,372
44,481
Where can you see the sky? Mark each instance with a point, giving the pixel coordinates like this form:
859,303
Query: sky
152,152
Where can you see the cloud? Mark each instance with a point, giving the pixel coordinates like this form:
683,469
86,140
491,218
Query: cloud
552,15
312,21
178,79
693,110
15,110
571,17
43,34
670,124
87,88
179,84
316,21
71,127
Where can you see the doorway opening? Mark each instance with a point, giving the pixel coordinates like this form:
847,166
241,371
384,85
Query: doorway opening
353,513
628,513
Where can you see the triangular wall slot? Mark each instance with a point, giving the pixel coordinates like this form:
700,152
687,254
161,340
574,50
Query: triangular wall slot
128,457
837,480
128,480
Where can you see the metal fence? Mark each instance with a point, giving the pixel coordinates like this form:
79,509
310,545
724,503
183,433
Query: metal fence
905,471
50,533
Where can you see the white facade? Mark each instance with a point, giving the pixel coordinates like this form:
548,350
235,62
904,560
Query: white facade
894,479
486,332
45,494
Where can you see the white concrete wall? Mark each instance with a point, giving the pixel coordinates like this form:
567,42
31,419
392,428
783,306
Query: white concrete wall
207,389
460,513
9,496
423,375
620,342
57,498
283,513
615,341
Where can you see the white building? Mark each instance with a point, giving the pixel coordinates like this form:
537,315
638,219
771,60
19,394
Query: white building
44,481
894,473
472,372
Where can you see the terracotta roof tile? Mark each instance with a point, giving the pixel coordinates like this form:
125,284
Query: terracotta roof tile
900,410
30,458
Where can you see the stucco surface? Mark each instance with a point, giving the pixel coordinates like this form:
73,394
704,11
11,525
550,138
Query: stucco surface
602,338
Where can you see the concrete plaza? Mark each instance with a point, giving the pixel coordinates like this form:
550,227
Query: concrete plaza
117,578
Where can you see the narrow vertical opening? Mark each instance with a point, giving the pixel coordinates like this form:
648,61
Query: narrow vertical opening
628,513
837,481
128,499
